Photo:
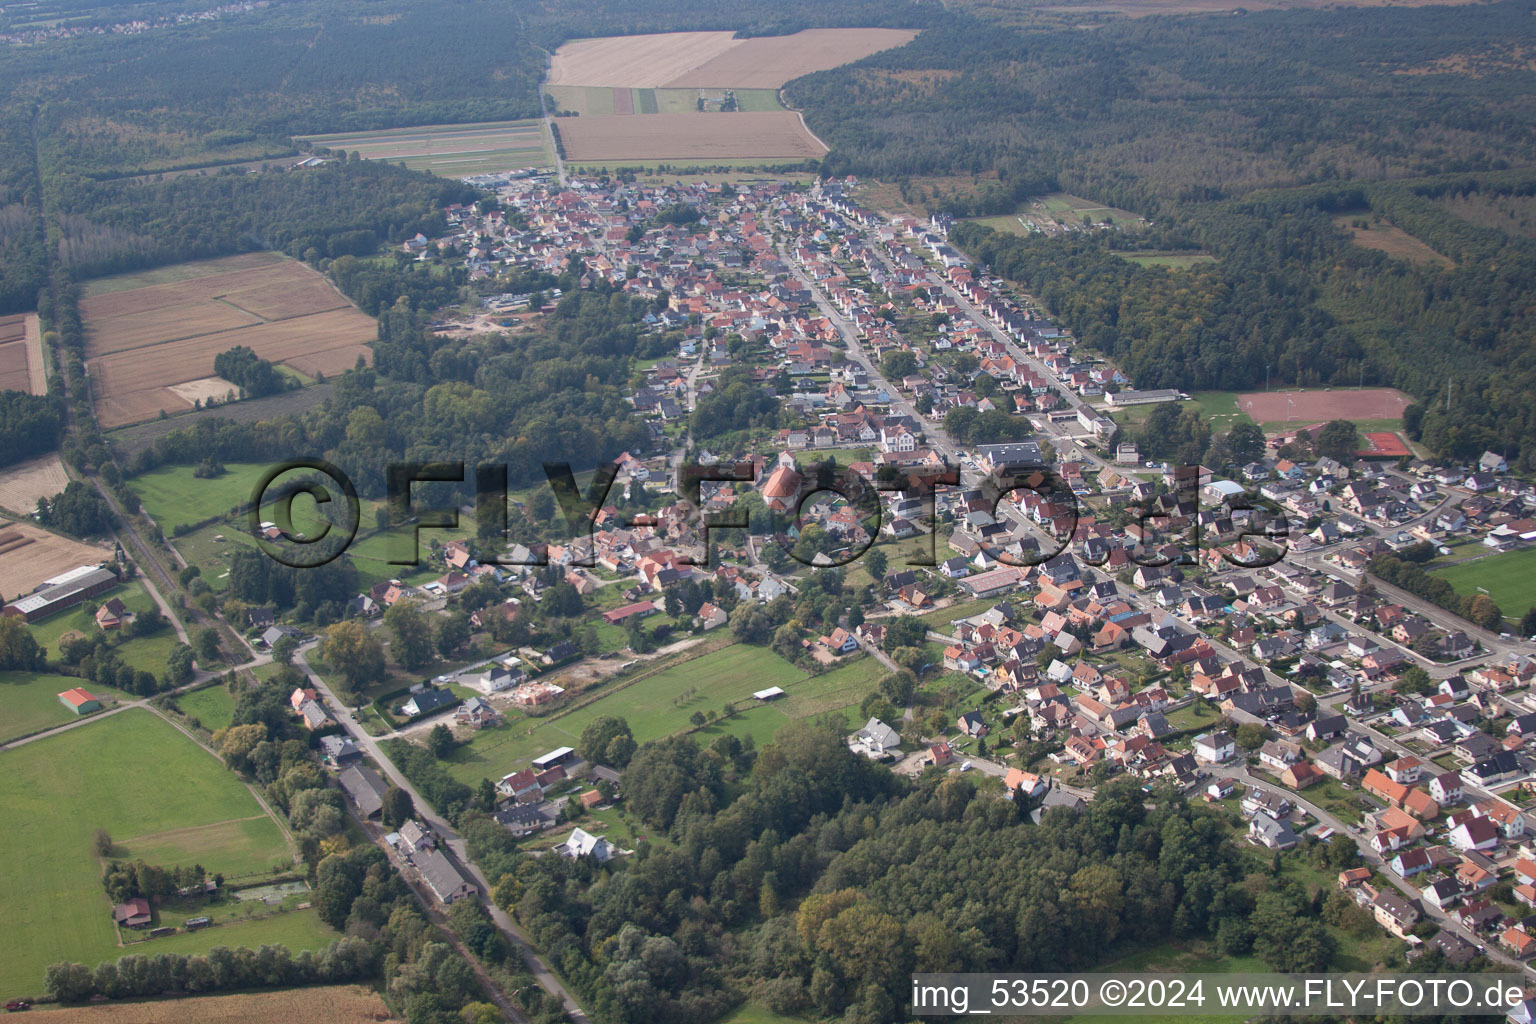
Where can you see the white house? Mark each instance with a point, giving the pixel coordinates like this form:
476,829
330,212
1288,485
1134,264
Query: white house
581,843
1214,748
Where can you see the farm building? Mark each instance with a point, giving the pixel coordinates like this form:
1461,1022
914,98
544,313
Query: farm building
447,883
132,913
79,701
619,616
560,755
63,591
365,788
772,693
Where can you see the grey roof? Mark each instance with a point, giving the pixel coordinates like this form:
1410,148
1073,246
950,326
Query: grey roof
441,874
365,788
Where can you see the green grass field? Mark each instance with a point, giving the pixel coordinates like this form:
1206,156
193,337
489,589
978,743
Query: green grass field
163,492
136,776
1007,224
147,653
1510,579
752,1013
29,702
212,706
1171,260
654,707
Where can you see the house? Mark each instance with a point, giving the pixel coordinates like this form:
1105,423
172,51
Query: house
366,789
1214,747
875,740
1301,775
428,701
971,724
840,641
1326,727
477,712
711,616
79,701
339,751
445,880
523,819
1219,789
1441,893
1395,912
1518,942
1410,862
581,843
1475,834
1025,783
112,614
1270,832
134,913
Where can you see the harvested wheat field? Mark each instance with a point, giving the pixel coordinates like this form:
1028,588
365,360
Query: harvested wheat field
331,1004
23,483
767,62
147,334
685,60
29,555
744,135
636,62
21,355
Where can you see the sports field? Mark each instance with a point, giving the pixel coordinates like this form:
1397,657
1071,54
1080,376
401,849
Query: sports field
1318,405
1509,578
136,776
29,701
148,333
656,706
452,150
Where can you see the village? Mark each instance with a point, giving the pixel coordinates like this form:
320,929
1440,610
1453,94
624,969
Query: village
1097,613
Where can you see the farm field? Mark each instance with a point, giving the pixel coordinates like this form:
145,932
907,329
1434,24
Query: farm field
134,775
1390,239
21,355
29,701
331,1004
1509,578
453,150
29,555
654,707
761,135
594,101
1006,223
212,706
23,483
714,59
154,331
1058,211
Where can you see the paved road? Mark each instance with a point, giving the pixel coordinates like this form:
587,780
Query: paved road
455,844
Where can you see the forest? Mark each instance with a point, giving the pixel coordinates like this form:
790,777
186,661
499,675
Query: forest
828,880
1290,297
1144,111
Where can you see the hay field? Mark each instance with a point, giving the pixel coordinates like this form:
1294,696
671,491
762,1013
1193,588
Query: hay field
683,60
23,483
156,332
743,135
29,555
21,355
328,1004
1392,240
